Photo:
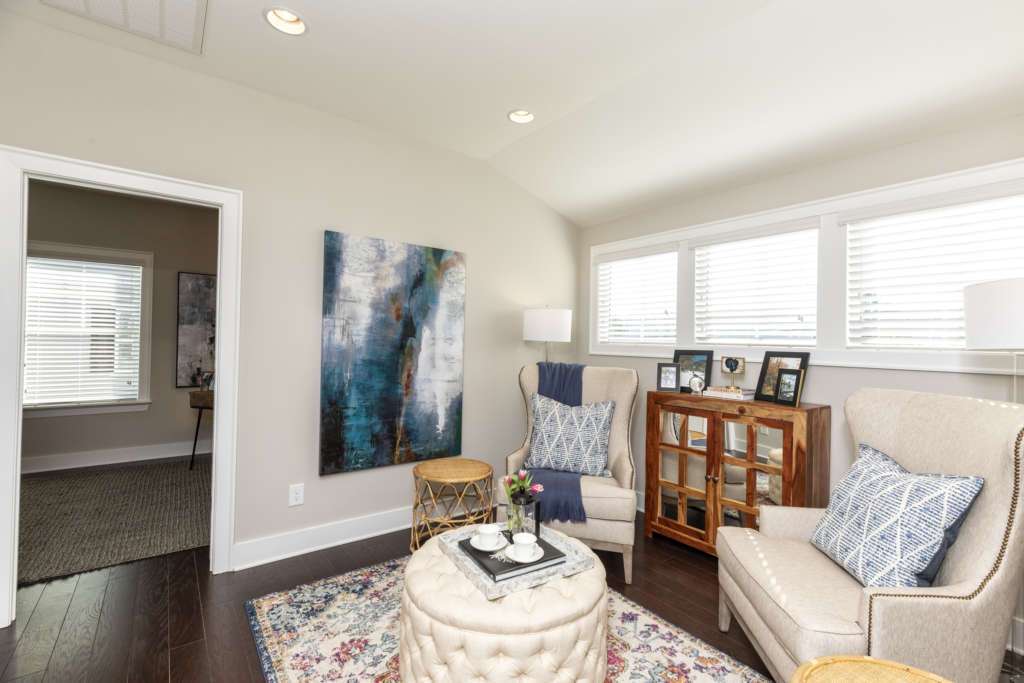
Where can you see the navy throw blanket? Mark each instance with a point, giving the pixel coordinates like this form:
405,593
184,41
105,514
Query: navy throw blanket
562,499
562,382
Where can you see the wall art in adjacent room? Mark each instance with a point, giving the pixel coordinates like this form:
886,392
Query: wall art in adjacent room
197,327
391,353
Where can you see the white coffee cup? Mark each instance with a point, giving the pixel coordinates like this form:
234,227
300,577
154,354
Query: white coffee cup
524,545
489,535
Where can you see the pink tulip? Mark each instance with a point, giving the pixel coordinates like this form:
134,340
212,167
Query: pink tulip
522,474
536,488
508,480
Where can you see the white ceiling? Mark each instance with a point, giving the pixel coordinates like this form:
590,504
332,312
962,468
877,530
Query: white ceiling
637,102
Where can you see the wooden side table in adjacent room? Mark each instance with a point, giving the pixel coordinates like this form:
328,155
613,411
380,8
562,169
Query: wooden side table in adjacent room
200,400
449,493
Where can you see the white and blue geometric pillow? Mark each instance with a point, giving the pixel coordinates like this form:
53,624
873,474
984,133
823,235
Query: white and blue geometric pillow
889,527
568,438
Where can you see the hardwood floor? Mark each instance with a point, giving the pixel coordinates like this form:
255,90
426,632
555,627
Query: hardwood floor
168,619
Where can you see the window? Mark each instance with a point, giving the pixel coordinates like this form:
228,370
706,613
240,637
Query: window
906,272
86,326
761,291
636,300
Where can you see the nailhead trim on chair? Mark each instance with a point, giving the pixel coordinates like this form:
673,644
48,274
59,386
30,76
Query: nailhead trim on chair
999,557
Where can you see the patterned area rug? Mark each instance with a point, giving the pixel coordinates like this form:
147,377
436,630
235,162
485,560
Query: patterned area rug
345,628
79,520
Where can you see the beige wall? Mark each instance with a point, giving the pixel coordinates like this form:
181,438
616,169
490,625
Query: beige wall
181,238
301,171
998,141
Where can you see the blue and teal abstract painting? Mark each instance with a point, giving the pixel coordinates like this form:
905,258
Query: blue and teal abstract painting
391,353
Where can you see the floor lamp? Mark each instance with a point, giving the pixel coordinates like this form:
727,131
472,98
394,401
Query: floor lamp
993,322
547,325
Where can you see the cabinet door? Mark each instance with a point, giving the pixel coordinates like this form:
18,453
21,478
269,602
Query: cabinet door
686,442
751,466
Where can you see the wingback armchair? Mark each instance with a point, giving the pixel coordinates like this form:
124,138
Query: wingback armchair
795,604
609,502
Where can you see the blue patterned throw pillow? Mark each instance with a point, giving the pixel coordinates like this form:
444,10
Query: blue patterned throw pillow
889,527
570,439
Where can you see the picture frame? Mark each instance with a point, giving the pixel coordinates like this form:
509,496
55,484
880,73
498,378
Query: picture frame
774,361
734,365
693,364
668,376
789,387
196,328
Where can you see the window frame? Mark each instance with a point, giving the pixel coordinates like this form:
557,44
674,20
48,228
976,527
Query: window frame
829,216
647,350
77,252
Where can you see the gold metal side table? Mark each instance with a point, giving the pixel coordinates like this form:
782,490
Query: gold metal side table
449,493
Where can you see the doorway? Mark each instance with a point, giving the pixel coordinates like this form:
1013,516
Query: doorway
19,168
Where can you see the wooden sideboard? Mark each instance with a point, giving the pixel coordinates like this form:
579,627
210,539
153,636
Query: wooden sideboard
714,462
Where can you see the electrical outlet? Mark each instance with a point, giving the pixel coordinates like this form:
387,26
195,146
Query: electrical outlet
296,494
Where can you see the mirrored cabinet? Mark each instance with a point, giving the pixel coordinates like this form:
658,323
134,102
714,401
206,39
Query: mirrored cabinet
714,462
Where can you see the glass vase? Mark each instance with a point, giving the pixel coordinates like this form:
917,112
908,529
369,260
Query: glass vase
522,515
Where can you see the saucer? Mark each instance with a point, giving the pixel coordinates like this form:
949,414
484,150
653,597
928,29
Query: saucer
512,555
476,543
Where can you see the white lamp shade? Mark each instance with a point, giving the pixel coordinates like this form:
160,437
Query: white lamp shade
992,313
547,324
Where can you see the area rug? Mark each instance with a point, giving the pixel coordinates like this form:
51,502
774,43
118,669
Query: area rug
78,520
345,628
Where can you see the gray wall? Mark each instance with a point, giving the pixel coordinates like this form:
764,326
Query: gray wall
996,141
302,171
181,238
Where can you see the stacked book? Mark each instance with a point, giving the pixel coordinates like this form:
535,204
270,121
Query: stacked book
733,393
500,567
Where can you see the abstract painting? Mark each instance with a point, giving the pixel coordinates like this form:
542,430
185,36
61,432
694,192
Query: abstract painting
390,354
197,326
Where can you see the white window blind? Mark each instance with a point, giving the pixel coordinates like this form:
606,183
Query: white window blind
636,300
82,331
760,291
906,272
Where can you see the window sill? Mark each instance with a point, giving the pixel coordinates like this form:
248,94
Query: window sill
70,409
961,362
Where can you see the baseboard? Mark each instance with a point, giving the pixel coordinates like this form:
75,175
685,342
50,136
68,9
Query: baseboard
300,541
111,456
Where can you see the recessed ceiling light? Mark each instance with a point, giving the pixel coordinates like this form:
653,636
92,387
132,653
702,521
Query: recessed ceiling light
520,116
286,21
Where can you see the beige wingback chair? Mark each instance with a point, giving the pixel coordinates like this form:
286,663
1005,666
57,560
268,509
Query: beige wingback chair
610,502
795,604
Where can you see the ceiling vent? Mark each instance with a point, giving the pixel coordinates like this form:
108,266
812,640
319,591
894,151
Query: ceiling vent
178,23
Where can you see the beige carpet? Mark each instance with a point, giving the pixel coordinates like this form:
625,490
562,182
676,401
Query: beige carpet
78,520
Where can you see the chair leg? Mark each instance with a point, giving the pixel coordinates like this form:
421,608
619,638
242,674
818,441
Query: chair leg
627,564
724,615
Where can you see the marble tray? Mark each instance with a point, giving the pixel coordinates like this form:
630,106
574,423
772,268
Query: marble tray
577,559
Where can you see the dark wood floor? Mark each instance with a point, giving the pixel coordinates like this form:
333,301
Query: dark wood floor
168,619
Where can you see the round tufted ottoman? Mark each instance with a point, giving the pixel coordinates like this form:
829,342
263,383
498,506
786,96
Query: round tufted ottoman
450,632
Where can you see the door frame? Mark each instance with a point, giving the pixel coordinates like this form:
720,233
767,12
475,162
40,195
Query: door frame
17,168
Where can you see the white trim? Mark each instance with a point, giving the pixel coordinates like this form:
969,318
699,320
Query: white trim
111,456
69,409
17,166
829,215
266,549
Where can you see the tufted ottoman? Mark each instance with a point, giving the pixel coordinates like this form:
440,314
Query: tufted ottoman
450,632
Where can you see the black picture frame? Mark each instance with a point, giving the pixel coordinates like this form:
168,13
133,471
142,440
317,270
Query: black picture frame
686,360
774,361
789,387
665,386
